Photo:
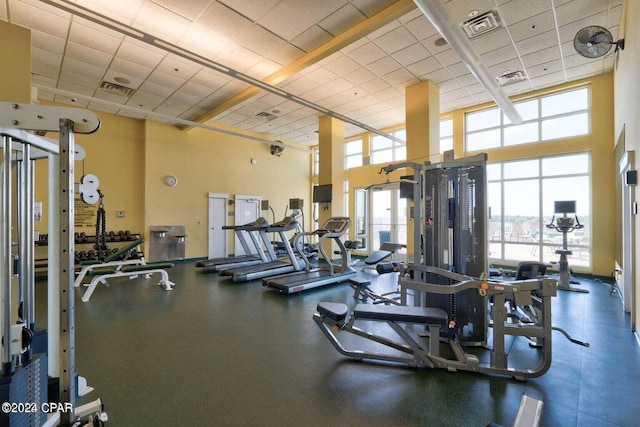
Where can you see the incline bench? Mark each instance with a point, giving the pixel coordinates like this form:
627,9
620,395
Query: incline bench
117,265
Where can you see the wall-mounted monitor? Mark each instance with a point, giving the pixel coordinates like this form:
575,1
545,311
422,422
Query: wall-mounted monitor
564,206
322,193
296,203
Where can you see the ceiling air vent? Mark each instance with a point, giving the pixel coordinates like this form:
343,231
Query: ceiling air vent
482,24
511,77
267,116
116,89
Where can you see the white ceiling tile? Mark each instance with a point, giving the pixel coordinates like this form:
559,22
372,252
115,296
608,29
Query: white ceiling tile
188,9
568,32
145,100
103,41
161,23
537,43
374,86
515,11
286,54
86,54
114,9
45,57
384,66
491,41
578,9
448,57
366,54
187,99
263,69
395,40
210,79
342,19
287,19
544,69
141,55
360,76
178,67
44,70
43,18
547,80
499,55
421,28
341,64
51,43
371,7
400,77
541,56
339,84
157,88
204,40
260,40
129,69
530,27
239,58
411,54
424,66
80,80
82,68
311,38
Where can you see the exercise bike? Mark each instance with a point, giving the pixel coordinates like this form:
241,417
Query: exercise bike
565,225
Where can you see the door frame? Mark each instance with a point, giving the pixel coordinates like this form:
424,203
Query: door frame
394,187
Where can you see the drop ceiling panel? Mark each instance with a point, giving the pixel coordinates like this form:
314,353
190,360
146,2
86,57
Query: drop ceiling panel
365,80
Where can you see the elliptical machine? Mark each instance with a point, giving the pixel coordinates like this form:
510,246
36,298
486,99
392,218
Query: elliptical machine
565,225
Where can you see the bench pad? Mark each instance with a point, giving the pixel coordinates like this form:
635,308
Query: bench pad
401,313
333,310
143,267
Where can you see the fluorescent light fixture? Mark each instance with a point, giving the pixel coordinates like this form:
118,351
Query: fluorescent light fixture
440,19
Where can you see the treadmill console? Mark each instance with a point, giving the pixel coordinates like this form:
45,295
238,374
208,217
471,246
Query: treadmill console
335,225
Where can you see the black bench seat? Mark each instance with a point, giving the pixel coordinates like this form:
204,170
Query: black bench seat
401,313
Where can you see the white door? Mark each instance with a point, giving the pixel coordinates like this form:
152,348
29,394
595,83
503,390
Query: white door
388,218
217,219
247,210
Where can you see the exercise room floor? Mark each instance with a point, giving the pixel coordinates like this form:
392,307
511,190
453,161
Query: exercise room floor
217,353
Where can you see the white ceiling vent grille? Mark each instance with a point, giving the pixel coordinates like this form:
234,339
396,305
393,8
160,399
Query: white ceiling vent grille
267,116
117,89
482,24
511,77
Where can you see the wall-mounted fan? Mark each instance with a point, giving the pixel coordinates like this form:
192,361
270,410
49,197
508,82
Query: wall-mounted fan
595,41
277,149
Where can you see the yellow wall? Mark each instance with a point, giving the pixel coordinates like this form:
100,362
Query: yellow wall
115,154
208,162
15,78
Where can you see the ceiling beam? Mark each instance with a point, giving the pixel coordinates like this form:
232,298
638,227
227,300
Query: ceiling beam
353,34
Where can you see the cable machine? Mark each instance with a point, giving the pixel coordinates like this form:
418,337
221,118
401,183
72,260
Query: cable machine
32,357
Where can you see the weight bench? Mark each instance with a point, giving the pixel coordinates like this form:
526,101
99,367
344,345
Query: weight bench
117,265
363,293
386,250
421,348
332,317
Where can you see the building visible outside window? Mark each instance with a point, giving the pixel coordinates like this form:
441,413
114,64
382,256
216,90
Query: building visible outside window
521,196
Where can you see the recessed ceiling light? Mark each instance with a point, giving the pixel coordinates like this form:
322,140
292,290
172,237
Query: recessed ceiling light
74,100
122,80
276,111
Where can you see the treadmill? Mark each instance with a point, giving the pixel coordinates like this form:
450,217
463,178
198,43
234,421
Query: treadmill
283,265
333,228
256,256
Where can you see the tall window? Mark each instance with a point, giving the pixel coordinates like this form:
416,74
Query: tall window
446,135
521,196
316,161
353,153
545,118
385,150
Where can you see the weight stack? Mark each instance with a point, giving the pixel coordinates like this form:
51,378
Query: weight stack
27,385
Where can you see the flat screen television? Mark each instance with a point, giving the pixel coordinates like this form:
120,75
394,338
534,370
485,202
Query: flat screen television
564,206
322,193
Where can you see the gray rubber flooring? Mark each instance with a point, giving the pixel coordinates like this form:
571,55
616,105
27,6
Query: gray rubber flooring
217,353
